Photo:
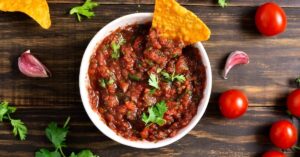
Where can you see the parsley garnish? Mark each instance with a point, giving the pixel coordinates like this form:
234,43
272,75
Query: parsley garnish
19,128
153,81
172,77
84,10
223,3
57,136
116,47
155,114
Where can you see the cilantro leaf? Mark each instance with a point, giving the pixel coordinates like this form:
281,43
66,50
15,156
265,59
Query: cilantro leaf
173,76
155,114
153,81
47,153
160,121
116,47
134,77
73,155
158,70
19,128
56,135
152,91
179,78
166,75
84,10
83,153
223,3
102,83
110,81
160,109
3,110
150,118
6,109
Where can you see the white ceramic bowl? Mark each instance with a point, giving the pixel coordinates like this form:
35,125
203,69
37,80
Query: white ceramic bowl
84,83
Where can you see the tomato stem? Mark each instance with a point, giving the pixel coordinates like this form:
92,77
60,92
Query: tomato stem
298,81
289,113
296,148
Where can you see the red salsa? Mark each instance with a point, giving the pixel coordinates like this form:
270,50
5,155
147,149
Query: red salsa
145,87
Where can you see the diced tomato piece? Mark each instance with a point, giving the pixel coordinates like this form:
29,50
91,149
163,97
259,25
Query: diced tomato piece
124,86
145,133
130,105
181,65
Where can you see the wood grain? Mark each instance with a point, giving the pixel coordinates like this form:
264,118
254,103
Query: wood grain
266,80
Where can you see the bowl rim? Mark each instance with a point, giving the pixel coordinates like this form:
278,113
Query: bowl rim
96,118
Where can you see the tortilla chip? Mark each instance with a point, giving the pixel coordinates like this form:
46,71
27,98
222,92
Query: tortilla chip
36,9
176,22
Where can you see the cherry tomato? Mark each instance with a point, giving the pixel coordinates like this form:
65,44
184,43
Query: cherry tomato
270,19
273,153
283,134
233,103
293,102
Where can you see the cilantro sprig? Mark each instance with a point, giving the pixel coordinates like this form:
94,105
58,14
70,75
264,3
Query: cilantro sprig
115,46
155,114
57,136
172,77
153,81
84,10
19,128
223,3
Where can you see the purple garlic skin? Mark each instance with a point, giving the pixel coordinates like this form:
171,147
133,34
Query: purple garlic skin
235,58
31,66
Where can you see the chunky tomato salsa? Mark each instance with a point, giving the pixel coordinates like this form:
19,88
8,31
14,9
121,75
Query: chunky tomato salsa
145,87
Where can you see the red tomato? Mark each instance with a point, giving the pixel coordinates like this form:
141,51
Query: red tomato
270,19
283,134
273,153
233,103
293,102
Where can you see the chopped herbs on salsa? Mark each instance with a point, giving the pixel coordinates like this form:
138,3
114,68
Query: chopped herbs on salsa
153,81
172,77
116,48
102,82
155,114
141,72
134,77
152,91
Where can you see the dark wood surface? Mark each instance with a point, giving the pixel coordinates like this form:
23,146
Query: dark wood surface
274,63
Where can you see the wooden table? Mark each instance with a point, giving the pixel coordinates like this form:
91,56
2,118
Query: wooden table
266,80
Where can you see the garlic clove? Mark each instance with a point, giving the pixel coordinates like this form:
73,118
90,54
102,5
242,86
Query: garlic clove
235,58
31,66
